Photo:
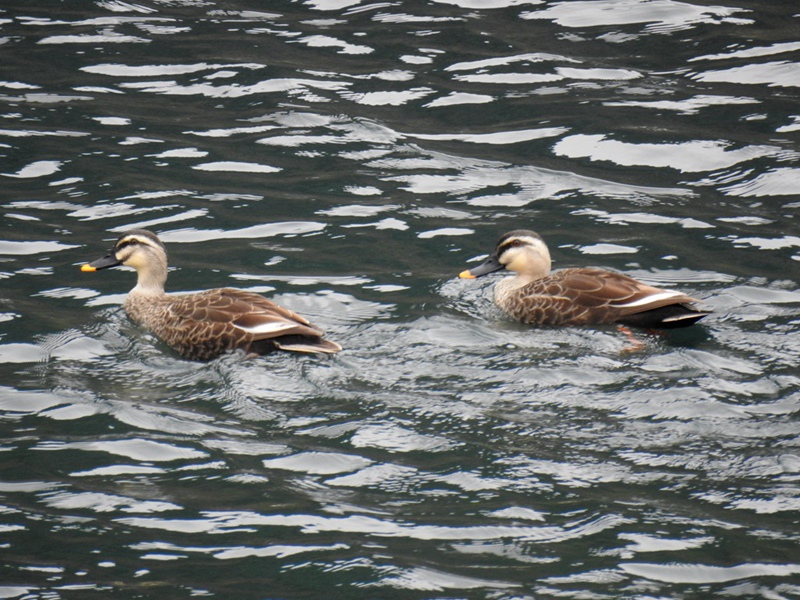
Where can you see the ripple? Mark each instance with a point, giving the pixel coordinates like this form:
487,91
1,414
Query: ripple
254,231
236,167
686,157
98,502
530,183
136,449
26,402
209,90
398,439
122,70
279,551
39,168
608,249
689,106
777,182
704,574
774,74
106,38
429,580
318,463
445,231
502,137
222,522
387,98
326,41
659,15
447,448
457,98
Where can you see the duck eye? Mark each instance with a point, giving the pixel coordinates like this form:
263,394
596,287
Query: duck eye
126,243
516,243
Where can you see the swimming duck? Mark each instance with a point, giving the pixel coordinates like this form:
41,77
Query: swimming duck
203,325
579,296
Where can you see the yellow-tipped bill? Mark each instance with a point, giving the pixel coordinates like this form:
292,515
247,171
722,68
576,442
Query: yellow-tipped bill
490,265
109,260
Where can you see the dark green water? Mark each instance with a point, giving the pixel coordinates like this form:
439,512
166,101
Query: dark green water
349,159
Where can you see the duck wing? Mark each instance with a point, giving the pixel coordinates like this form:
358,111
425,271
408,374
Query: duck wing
582,296
209,323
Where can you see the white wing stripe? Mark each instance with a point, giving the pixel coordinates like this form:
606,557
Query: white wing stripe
273,327
650,299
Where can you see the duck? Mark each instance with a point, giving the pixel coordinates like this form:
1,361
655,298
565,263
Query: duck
203,325
577,296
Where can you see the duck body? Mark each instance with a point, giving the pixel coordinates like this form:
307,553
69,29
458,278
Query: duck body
203,325
577,296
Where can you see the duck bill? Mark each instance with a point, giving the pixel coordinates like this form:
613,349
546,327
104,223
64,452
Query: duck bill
490,265
109,260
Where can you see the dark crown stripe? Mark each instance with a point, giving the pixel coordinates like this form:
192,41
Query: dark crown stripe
138,236
505,242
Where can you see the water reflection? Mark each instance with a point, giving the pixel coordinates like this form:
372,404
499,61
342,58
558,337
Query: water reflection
346,159
660,16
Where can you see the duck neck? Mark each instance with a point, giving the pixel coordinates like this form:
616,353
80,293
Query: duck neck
151,279
529,268
508,285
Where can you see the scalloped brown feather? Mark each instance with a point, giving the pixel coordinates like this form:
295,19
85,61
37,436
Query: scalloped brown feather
594,296
579,296
204,325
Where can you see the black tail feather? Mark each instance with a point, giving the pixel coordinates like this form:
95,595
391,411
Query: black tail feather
666,317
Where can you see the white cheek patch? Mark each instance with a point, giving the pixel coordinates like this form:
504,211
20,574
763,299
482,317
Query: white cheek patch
272,327
133,261
652,299
517,263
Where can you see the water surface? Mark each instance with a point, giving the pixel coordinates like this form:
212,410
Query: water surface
349,159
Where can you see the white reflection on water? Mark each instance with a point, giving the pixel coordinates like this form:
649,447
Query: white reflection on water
99,502
279,551
269,86
318,463
640,217
536,57
660,15
447,448
255,231
773,74
687,157
27,248
499,137
222,522
753,52
699,573
136,449
107,38
456,98
387,98
39,168
531,183
782,181
326,41
432,580
122,70
688,106
236,167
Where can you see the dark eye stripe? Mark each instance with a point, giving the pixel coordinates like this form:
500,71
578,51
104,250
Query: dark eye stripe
128,242
515,243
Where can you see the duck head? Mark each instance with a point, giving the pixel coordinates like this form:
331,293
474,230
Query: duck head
137,248
521,251
142,250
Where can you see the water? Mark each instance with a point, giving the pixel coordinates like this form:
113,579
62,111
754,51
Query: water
349,159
